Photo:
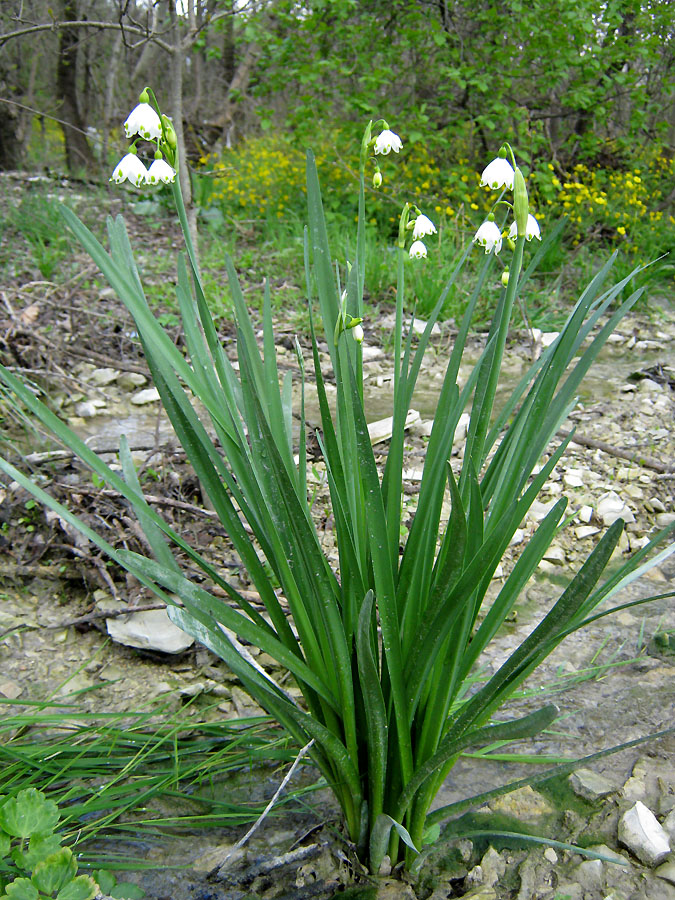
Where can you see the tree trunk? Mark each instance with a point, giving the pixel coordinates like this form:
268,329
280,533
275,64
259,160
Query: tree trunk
78,153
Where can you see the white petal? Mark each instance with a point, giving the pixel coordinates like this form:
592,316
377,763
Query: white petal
489,236
423,226
497,174
143,120
129,168
531,229
418,250
387,141
160,171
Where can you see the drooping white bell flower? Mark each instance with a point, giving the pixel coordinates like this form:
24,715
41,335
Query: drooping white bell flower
423,226
130,168
357,334
143,120
489,236
160,171
499,173
387,141
417,250
531,229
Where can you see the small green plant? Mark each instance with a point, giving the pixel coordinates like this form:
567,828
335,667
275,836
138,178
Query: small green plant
29,844
39,221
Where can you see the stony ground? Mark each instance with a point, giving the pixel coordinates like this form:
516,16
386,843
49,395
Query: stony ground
614,683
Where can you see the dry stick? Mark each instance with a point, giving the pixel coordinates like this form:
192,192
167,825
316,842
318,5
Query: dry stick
263,815
648,462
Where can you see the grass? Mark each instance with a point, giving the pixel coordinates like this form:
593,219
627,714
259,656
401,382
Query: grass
136,774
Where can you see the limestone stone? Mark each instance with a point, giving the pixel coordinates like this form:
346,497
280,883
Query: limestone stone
640,832
149,630
589,785
148,395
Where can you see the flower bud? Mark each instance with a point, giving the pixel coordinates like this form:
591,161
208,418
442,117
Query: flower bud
520,202
505,277
170,134
377,179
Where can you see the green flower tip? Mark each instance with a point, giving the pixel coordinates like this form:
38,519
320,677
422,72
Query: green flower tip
144,97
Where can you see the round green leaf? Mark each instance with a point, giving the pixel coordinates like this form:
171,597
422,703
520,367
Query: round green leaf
4,845
28,813
21,889
81,888
105,880
55,871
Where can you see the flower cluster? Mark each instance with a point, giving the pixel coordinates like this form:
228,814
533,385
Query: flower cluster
501,174
422,226
145,122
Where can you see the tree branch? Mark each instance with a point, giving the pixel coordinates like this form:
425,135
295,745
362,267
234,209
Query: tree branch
115,26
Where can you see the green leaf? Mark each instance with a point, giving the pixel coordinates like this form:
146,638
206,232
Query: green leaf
83,887
55,871
39,848
379,837
29,813
21,889
105,880
127,890
4,845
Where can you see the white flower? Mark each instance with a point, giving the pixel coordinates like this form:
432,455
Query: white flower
418,250
130,168
489,236
357,334
531,229
498,174
144,121
387,141
423,226
160,171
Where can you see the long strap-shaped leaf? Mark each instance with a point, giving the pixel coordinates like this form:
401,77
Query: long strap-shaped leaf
456,743
544,637
376,713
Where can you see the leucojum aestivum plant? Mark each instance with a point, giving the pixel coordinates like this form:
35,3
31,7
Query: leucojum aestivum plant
383,645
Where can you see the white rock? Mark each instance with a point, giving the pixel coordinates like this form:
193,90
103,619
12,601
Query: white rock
666,871
129,381
149,630
149,395
551,855
611,507
539,510
555,554
381,430
589,785
547,337
585,514
584,531
669,824
462,428
101,377
369,352
574,478
419,325
641,833
518,537
665,519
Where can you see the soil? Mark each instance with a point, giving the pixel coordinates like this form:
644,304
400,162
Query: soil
74,342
